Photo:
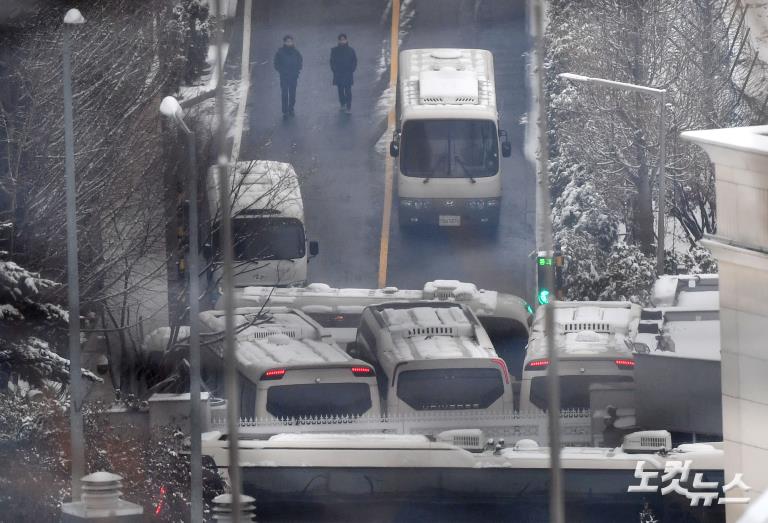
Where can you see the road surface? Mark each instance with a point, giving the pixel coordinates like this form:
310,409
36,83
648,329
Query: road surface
342,173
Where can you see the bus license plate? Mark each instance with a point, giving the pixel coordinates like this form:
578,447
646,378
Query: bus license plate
449,221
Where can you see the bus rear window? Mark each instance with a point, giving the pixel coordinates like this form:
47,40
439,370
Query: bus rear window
450,389
319,399
574,390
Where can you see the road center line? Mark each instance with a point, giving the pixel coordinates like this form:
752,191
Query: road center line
389,162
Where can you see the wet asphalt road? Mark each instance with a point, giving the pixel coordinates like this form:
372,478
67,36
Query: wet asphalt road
343,175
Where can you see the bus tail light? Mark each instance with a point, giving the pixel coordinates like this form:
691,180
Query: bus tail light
625,364
362,371
537,364
503,365
273,374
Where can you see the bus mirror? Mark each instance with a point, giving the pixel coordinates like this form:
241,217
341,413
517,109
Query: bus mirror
207,250
394,149
506,149
314,248
506,146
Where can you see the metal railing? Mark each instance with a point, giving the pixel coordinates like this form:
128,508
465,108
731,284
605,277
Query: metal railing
576,429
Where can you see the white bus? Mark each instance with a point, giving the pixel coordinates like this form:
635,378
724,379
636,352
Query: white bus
288,365
268,231
432,356
594,346
423,478
447,140
339,310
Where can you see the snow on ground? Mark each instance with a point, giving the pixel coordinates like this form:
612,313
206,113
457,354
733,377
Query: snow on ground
387,99
208,81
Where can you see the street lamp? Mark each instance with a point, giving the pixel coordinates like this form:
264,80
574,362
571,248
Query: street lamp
659,94
171,108
71,19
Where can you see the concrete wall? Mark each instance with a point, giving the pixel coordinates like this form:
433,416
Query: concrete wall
740,157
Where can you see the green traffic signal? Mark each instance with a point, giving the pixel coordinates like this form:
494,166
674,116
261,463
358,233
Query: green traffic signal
543,296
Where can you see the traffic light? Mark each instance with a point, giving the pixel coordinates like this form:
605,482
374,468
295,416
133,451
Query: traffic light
544,263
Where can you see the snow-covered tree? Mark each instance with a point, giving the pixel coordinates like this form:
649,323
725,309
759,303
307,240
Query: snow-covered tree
128,55
31,328
600,265
606,141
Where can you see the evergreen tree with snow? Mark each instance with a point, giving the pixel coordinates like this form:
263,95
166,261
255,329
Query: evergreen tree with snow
31,329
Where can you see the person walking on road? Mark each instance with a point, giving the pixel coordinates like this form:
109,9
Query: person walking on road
288,62
343,65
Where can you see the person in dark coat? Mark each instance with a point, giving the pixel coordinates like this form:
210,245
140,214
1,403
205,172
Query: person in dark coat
288,62
343,65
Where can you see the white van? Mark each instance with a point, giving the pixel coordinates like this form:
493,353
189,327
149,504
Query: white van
288,366
432,356
268,232
594,346
447,140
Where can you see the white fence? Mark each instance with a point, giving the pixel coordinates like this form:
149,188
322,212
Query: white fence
575,425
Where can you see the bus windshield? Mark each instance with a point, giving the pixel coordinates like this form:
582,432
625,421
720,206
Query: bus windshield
450,389
268,238
449,149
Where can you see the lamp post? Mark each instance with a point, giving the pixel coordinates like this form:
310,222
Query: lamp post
660,95
71,19
171,108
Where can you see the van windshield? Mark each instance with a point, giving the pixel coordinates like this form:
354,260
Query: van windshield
268,238
574,390
450,389
318,399
449,149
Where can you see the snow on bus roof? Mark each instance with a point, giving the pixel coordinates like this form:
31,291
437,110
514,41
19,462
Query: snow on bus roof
280,350
461,79
256,185
431,331
483,302
278,337
621,316
587,329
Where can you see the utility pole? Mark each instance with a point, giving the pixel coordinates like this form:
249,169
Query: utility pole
545,245
230,364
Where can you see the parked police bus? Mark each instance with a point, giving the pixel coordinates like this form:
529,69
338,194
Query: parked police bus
447,139
288,366
593,341
432,356
424,477
502,315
